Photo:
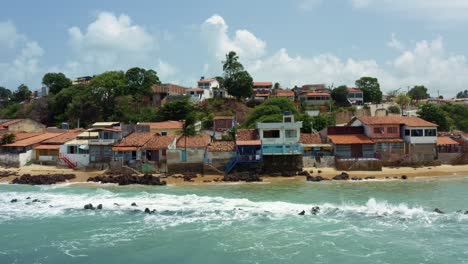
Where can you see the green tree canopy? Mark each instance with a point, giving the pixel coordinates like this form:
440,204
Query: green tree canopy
434,114
21,94
56,82
140,81
463,94
175,110
271,111
5,94
371,89
394,109
237,81
105,88
340,95
276,86
418,92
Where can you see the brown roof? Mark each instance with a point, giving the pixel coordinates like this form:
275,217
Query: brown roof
247,134
223,117
248,142
24,135
221,146
391,140
135,140
283,93
124,148
446,141
310,138
411,121
5,123
169,88
47,147
62,138
312,93
197,141
349,139
159,142
163,125
206,80
262,84
33,140
354,90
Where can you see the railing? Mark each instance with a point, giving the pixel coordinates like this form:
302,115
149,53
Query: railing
242,159
231,164
102,141
294,149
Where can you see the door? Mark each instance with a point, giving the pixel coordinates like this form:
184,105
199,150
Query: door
356,151
184,155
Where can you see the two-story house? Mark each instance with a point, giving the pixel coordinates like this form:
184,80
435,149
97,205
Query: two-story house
287,93
208,86
313,98
355,96
222,125
262,90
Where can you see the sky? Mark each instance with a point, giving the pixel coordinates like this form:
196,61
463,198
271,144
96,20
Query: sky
294,42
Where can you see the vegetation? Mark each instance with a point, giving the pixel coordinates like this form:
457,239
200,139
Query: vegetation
8,138
237,81
434,114
340,95
418,92
371,89
394,109
56,82
463,94
271,111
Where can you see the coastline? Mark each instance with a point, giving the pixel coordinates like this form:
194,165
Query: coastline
442,171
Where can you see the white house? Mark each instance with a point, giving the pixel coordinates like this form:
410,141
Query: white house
207,85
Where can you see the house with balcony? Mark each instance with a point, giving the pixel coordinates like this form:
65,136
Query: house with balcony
129,151
248,152
100,147
313,98
208,86
48,152
75,152
355,96
286,93
281,147
222,125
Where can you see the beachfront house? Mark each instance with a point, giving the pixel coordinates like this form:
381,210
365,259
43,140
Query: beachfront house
186,154
219,154
156,152
129,151
162,128
75,152
248,148
48,152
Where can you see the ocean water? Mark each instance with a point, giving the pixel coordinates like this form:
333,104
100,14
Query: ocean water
358,222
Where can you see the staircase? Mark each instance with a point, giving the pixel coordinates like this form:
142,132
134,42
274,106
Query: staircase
66,160
231,165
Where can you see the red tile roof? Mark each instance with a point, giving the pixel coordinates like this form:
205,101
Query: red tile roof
33,140
47,147
135,140
221,146
285,93
390,140
197,141
206,80
248,142
350,139
247,134
310,139
163,125
411,121
262,84
446,141
67,136
24,135
354,90
159,142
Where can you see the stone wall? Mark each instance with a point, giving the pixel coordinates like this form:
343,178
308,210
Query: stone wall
358,165
282,164
178,168
309,162
448,158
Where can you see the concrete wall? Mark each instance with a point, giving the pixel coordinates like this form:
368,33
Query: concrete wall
16,160
194,155
448,158
421,153
219,159
358,165
324,162
282,164
27,125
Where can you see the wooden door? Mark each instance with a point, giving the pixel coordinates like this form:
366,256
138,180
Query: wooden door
356,151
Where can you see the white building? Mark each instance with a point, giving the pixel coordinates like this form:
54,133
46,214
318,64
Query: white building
207,85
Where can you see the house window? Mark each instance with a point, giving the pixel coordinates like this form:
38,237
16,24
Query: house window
291,133
378,130
271,134
407,132
288,119
71,149
163,153
134,155
392,130
107,135
430,132
417,133
164,133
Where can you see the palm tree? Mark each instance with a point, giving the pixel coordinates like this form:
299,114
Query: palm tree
188,130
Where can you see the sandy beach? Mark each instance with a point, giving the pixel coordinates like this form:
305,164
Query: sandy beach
387,172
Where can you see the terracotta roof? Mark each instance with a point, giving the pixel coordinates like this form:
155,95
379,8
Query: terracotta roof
223,117
195,90
350,139
390,140
206,80
411,121
313,93
197,141
247,134
135,140
124,148
262,84
49,147
221,146
248,142
32,140
310,139
25,135
354,90
169,88
163,125
283,93
159,142
5,123
59,140
446,141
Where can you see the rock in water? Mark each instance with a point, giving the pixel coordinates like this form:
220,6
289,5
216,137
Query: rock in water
133,204
99,207
89,207
315,210
14,201
466,212
437,210
35,200
404,177
342,177
302,212
147,211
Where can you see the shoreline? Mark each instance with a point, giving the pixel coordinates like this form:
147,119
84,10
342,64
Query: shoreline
387,173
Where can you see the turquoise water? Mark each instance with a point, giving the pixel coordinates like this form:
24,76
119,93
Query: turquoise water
359,222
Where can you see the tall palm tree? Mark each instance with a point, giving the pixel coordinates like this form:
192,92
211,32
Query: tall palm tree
188,130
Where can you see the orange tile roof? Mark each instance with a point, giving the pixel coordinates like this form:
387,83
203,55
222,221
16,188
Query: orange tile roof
163,125
350,139
248,142
247,134
313,93
135,140
446,141
262,84
391,140
354,90
197,141
207,80
25,135
286,93
33,140
159,142
310,139
411,121
47,147
221,146
67,136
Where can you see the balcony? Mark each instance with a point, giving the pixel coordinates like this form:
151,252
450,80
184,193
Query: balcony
103,142
292,149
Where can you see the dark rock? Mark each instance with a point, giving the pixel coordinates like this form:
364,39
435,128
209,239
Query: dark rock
99,207
315,179
404,177
437,210
27,198
147,211
35,200
126,179
315,210
133,204
342,177
319,171
370,178
14,201
116,204
89,207
43,179
302,212
242,176
466,212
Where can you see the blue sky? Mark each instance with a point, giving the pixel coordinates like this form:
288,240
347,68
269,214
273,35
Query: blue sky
401,42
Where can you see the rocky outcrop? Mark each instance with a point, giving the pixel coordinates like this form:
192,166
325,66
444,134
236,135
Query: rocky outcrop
316,178
147,179
43,179
341,177
242,176
315,210
4,174
437,210
302,212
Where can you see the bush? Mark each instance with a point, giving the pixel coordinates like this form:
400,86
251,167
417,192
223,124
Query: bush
394,109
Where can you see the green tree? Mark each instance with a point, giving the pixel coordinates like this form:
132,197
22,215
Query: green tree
8,138
140,81
340,95
271,110
5,94
394,109
237,81
322,121
463,94
175,110
59,103
371,89
105,88
56,82
434,114
21,94
403,100
418,92
276,86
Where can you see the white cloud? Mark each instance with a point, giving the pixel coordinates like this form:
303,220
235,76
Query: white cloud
113,42
165,70
246,44
9,36
427,63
